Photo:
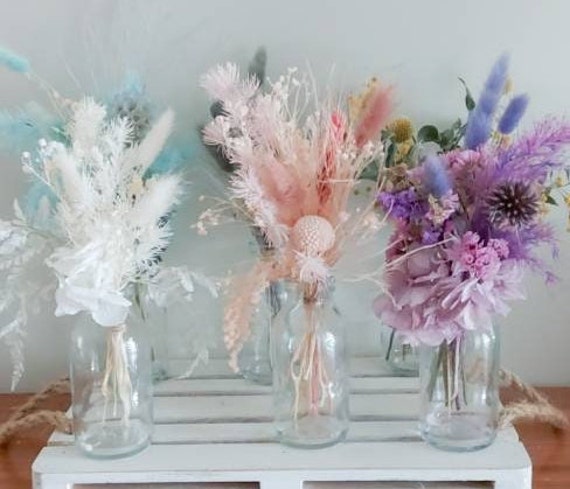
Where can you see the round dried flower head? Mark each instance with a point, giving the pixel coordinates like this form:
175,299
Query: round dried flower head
313,235
515,204
402,129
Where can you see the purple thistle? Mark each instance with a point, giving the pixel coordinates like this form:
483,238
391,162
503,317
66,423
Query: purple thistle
513,114
436,178
479,123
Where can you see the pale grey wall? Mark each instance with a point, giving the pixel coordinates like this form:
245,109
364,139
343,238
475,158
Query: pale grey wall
419,46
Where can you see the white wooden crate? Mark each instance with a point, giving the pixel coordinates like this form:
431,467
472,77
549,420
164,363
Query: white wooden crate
214,432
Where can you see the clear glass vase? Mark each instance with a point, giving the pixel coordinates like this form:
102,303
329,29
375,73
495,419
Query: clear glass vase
460,391
111,387
254,361
310,371
401,357
156,323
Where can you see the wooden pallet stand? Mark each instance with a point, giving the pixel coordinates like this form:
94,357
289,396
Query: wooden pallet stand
214,432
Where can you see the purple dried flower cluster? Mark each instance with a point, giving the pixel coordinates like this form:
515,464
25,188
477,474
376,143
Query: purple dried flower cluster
469,224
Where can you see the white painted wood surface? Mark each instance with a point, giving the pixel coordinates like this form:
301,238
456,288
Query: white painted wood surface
214,432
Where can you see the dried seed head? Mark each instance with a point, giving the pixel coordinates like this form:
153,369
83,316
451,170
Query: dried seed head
515,204
313,235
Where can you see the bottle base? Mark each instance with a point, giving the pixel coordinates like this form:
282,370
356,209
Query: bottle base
465,432
159,373
312,432
403,370
114,439
258,374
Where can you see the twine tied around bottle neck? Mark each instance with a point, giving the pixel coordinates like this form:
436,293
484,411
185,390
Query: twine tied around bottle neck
116,386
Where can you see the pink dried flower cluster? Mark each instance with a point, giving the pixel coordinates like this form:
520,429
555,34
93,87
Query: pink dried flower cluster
436,293
294,171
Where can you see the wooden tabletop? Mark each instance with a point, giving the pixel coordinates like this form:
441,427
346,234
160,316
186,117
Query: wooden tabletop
549,449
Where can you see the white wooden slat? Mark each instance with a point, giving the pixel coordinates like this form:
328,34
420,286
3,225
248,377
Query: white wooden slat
214,432
262,433
238,386
379,431
197,387
372,366
307,485
194,485
398,461
398,485
364,407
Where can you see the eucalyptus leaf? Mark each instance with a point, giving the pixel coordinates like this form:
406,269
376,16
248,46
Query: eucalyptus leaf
469,101
456,125
447,135
390,155
370,172
550,200
428,134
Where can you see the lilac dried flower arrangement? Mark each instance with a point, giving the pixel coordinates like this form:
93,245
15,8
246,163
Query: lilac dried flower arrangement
470,219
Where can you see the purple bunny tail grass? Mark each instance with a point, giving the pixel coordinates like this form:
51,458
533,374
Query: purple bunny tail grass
494,85
436,179
513,114
478,129
479,124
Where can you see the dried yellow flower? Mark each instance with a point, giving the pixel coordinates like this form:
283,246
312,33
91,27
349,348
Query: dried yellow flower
559,182
402,129
402,151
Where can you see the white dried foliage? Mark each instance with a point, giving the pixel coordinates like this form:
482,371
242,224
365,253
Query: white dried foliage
110,225
20,252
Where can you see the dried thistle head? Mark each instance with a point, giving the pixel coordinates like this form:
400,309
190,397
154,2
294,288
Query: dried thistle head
515,204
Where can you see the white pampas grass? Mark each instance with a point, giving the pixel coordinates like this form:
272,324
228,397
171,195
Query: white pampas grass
151,146
160,195
86,123
225,83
